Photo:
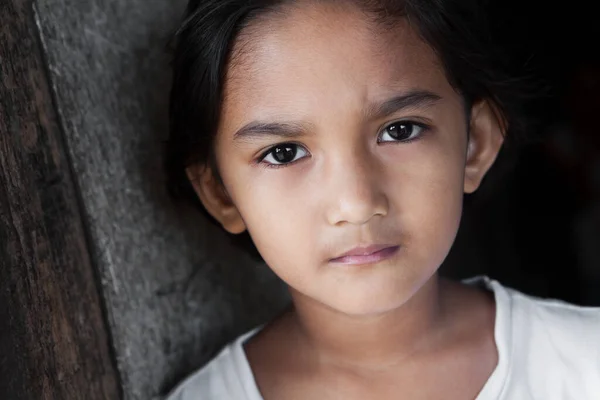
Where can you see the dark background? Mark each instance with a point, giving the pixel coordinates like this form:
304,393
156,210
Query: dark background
535,223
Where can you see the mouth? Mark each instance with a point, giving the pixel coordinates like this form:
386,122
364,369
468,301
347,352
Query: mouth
358,256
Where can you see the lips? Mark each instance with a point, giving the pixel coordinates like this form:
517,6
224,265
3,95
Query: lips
365,250
366,255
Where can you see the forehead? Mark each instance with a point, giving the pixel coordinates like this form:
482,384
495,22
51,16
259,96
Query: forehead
321,58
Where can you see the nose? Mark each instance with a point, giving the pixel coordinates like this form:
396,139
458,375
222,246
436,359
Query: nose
355,189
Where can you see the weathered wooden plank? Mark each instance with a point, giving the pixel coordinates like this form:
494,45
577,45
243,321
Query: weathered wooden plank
53,340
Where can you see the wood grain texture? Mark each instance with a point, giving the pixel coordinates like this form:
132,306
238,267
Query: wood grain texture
53,340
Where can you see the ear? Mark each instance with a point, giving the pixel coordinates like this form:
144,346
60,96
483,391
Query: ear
487,128
215,198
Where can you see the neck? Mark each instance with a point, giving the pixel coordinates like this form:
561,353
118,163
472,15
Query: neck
371,342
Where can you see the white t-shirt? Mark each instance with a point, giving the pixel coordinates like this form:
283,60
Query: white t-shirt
547,350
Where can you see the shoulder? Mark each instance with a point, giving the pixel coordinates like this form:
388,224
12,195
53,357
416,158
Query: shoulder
555,319
570,327
552,347
223,378
208,383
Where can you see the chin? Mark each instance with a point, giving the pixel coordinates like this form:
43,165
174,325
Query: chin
379,296
368,304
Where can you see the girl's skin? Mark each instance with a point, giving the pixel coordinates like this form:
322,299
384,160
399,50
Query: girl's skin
388,330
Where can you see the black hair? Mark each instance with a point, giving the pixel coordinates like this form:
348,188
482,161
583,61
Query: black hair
457,30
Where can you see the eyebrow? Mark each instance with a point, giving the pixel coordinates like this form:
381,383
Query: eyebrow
412,99
288,130
256,129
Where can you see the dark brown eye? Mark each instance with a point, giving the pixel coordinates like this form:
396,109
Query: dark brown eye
283,154
401,131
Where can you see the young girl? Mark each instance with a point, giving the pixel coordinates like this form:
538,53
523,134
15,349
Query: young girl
342,136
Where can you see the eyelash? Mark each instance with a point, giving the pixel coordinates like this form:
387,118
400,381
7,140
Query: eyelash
420,125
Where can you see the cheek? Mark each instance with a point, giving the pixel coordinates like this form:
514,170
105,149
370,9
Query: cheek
431,203
276,218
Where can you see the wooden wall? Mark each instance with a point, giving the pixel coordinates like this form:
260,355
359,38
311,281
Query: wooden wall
54,343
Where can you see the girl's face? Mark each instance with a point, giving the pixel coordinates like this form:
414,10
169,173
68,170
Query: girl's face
336,134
